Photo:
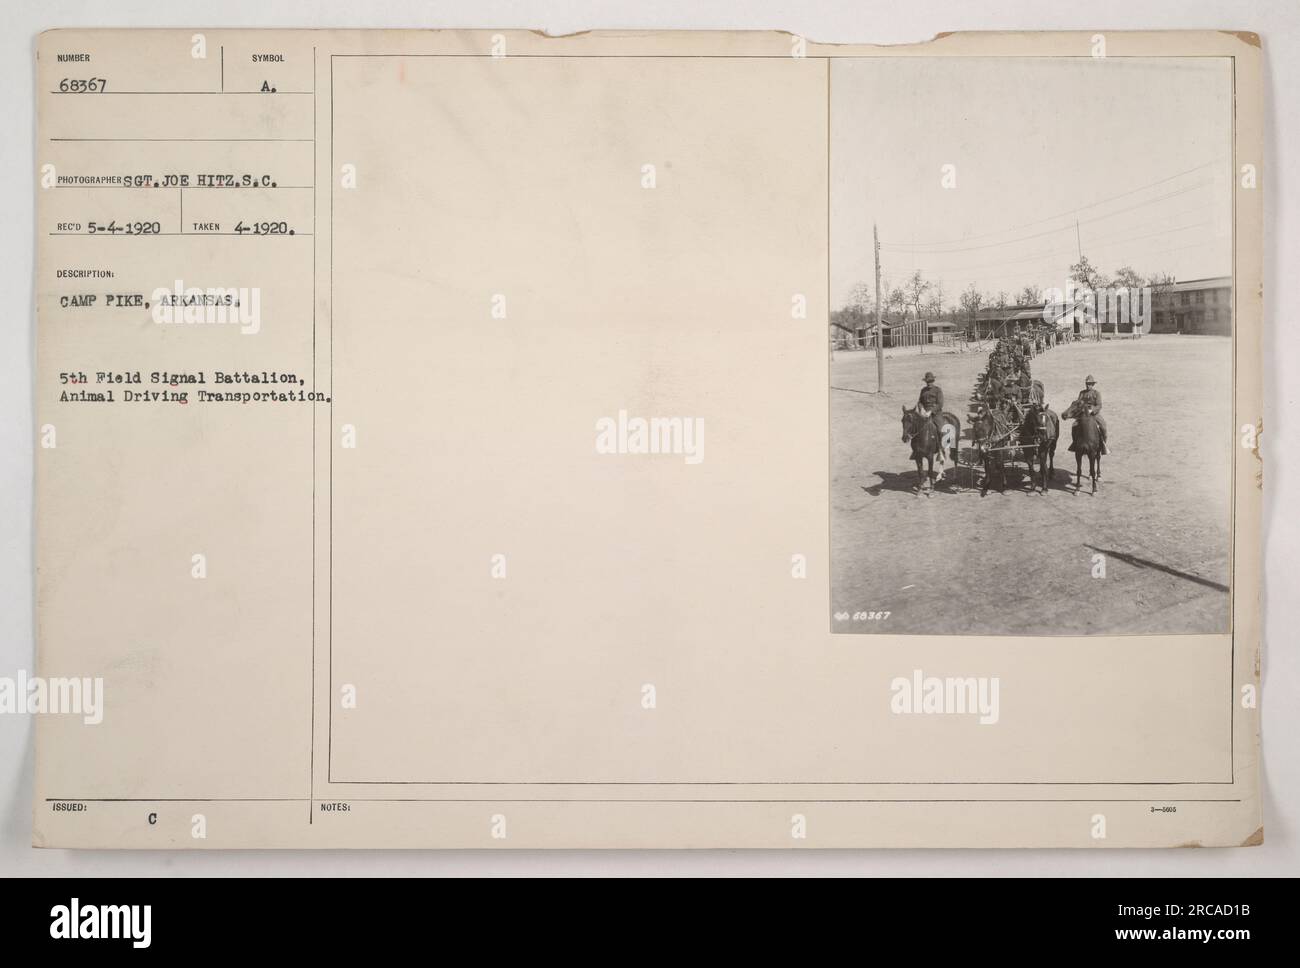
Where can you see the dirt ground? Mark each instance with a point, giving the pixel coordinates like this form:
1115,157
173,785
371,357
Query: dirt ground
1021,562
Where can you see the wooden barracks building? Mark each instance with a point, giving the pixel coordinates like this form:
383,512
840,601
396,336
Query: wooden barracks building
1198,307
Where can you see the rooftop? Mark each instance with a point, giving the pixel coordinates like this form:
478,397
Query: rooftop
1213,282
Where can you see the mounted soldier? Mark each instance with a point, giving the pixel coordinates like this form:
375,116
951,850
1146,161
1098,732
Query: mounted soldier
1024,384
1090,398
993,389
930,401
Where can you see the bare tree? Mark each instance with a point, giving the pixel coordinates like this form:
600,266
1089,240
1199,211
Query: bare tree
896,302
1086,274
1128,278
971,303
914,291
934,303
863,297
1160,282
1090,277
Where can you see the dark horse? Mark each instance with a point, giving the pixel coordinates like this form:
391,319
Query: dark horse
1085,438
927,442
1040,430
992,431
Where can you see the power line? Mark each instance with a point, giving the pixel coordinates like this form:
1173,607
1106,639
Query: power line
1098,242
902,247
1021,275
1071,211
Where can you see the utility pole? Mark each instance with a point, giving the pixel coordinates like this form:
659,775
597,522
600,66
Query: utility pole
880,329
1078,241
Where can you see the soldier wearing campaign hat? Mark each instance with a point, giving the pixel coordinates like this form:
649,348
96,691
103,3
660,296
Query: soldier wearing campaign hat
931,401
1090,398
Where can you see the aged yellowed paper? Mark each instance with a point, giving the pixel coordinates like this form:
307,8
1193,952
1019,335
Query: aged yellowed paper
485,439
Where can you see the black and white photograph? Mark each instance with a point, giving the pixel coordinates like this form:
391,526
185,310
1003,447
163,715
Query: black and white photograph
1031,345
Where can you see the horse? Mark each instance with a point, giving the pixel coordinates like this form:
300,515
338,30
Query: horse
1085,438
993,427
1041,428
927,441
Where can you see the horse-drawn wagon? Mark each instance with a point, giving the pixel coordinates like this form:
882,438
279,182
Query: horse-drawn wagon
1009,420
1022,431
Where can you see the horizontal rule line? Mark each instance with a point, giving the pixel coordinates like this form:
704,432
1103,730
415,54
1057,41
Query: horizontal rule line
747,800
789,57
205,140
330,799
175,799
205,235
186,93
828,783
267,188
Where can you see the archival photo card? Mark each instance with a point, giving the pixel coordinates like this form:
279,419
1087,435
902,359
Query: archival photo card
482,439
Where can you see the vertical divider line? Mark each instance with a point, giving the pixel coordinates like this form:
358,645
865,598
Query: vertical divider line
329,746
311,768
